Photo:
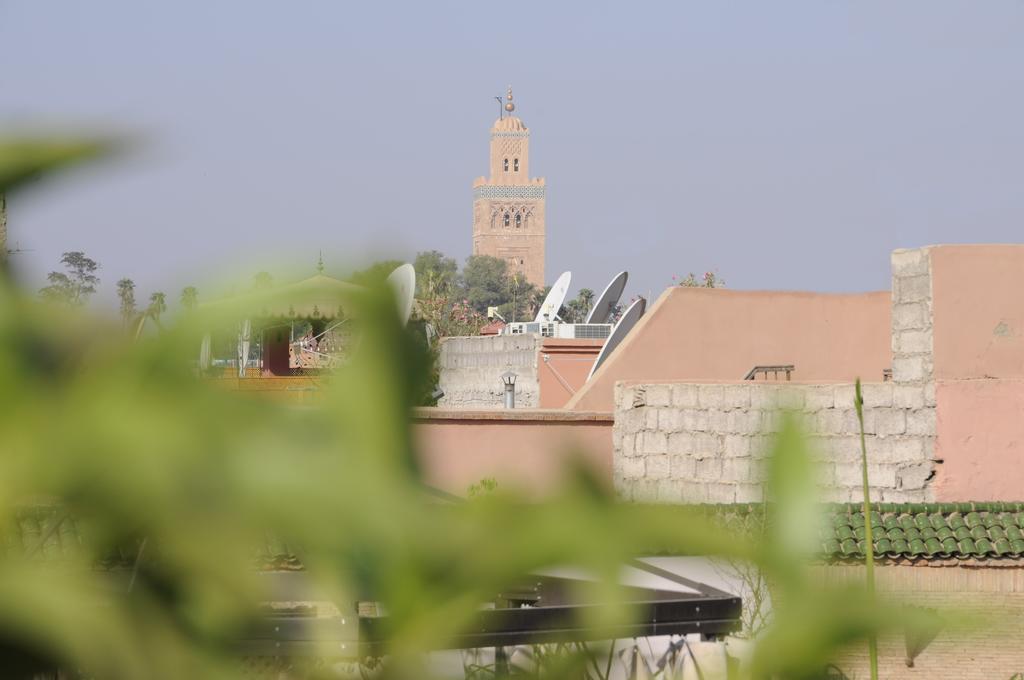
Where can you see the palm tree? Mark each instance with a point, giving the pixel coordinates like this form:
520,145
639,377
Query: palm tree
126,293
189,298
157,305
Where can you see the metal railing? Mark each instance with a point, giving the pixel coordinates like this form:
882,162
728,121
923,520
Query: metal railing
773,370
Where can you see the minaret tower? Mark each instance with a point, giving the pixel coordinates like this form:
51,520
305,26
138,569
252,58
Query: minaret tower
508,206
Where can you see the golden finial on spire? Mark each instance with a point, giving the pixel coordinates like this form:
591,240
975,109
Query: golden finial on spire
509,106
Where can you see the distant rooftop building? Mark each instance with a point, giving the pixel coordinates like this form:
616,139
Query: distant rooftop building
508,206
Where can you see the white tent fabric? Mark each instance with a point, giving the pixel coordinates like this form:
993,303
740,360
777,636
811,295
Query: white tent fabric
244,339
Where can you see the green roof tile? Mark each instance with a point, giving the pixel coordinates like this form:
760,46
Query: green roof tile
911,530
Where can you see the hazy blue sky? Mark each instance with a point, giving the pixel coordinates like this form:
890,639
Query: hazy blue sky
783,144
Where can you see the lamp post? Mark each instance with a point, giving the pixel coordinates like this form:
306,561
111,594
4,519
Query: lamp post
509,381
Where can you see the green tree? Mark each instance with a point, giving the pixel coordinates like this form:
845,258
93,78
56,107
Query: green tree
485,282
575,310
74,286
126,294
189,298
157,305
262,281
522,300
435,273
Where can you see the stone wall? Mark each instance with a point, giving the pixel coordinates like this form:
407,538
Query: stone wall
690,443
912,319
706,443
471,367
991,594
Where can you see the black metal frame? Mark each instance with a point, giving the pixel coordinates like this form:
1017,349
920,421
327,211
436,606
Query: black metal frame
540,611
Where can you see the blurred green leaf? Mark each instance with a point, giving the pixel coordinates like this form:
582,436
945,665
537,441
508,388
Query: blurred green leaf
23,160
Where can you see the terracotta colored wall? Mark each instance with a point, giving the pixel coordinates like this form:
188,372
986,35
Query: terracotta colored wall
978,365
980,425
526,449
563,367
699,334
978,310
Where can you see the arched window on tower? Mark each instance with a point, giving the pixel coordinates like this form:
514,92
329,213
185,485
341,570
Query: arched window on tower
515,165
506,165
507,218
519,220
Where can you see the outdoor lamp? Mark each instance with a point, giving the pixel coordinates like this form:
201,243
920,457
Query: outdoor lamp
509,381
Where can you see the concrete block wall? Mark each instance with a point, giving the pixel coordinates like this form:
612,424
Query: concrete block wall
912,319
471,368
706,443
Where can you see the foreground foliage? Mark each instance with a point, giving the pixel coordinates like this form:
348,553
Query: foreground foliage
126,442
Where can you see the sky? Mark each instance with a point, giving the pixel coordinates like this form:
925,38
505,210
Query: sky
783,145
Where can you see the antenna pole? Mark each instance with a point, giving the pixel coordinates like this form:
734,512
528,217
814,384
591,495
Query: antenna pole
501,110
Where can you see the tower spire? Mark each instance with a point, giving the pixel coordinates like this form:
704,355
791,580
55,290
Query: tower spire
509,104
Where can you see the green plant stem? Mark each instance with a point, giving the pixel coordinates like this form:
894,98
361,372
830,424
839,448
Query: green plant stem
869,564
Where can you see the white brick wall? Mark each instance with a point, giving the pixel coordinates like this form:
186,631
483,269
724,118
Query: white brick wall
911,316
714,452
470,370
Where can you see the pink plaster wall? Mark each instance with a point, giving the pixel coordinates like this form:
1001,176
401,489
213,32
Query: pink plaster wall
978,364
700,334
526,449
980,428
569,360
978,311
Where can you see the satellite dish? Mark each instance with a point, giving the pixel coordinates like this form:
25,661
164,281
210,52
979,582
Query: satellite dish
619,333
553,302
403,280
602,309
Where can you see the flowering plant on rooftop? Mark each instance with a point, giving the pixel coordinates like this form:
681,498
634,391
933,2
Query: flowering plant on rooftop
709,280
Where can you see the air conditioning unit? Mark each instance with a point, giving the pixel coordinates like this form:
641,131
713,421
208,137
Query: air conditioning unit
564,331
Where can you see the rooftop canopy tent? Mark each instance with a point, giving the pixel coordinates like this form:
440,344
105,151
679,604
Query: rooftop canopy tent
313,305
